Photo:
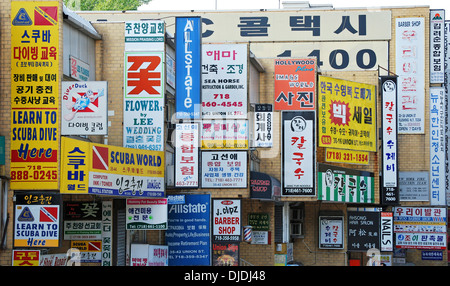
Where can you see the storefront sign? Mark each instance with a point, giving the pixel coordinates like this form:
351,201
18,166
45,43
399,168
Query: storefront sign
347,156
347,115
79,70
225,253
35,78
90,251
262,126
295,84
58,259
186,155
363,230
144,35
264,187
331,232
410,64
188,63
224,81
224,169
386,231
298,153
437,147
226,215
107,233
420,227
414,186
37,220
110,170
224,134
437,54
84,108
149,255
389,190
26,257
345,185
143,125
82,220
188,235
146,214
259,221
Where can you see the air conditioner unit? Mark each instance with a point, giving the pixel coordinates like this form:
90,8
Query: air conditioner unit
296,229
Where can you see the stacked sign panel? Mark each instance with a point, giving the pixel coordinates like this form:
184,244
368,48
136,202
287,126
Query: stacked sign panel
34,95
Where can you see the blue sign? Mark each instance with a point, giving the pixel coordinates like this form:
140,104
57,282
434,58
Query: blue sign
188,40
432,255
188,234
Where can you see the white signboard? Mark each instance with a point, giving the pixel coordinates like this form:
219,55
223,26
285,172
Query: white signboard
144,35
224,169
298,154
149,255
143,121
331,232
84,108
410,64
79,70
224,134
437,146
437,45
186,155
386,231
263,126
224,81
226,220
146,214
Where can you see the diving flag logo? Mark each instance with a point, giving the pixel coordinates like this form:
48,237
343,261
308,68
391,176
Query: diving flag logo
22,18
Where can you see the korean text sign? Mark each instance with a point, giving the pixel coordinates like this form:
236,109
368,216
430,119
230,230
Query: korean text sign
420,227
410,64
35,77
144,35
84,108
188,38
143,125
224,169
224,134
37,220
363,230
188,235
111,170
226,220
298,153
345,185
295,84
347,114
224,81
331,235
146,214
187,155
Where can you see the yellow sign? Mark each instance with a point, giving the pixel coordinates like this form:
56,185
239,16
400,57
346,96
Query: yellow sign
110,170
26,257
347,114
347,156
34,95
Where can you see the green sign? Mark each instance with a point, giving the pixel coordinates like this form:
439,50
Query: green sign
259,221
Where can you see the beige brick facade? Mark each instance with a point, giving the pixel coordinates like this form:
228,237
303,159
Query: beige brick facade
413,149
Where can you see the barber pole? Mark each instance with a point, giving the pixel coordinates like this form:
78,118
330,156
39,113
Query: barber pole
248,234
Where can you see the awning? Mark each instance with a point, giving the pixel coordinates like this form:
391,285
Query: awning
264,187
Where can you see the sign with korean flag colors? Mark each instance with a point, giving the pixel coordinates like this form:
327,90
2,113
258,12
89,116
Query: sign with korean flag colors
298,153
347,114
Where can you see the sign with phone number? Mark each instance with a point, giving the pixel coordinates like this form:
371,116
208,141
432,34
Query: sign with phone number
347,156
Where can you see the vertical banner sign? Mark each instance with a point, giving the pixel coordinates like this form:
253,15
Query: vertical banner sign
437,54
437,146
37,220
189,234
447,104
143,121
186,155
387,231
144,35
298,153
295,84
263,126
347,115
224,81
34,95
188,42
226,220
390,189
107,231
410,64
84,108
